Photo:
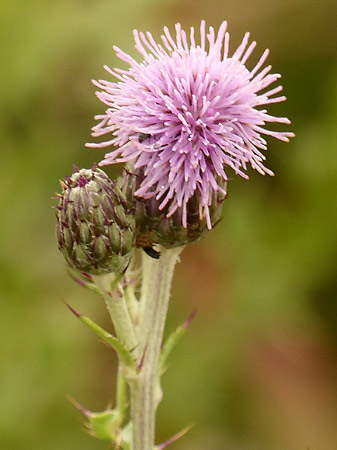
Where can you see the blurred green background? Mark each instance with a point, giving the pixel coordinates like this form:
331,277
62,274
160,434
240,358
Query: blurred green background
258,367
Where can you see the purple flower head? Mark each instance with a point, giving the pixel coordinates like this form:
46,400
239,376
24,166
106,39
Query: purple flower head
186,112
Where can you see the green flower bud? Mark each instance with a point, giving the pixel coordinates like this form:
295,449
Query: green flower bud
95,230
153,225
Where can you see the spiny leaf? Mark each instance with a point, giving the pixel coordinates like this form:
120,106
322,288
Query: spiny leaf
122,352
171,342
173,438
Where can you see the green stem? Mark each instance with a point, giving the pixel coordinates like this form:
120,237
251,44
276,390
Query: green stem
145,390
114,299
121,395
132,303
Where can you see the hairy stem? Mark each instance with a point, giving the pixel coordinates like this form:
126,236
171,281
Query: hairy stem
121,395
145,390
114,299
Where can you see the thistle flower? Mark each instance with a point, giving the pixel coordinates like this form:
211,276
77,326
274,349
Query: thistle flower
186,113
94,231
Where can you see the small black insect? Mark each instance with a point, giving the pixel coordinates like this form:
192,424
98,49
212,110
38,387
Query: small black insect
143,136
151,252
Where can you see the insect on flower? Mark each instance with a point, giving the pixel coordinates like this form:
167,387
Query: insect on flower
186,114
151,252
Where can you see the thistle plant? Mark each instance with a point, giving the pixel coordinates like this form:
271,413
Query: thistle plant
180,120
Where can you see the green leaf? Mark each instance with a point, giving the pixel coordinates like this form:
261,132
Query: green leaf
105,425
171,342
123,353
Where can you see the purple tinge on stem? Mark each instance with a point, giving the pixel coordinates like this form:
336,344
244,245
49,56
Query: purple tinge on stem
186,112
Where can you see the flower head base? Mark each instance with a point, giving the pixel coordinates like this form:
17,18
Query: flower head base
152,224
186,113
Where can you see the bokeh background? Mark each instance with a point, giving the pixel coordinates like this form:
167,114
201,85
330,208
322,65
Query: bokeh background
258,367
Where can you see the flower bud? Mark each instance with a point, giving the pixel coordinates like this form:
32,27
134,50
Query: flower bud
153,225
95,231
